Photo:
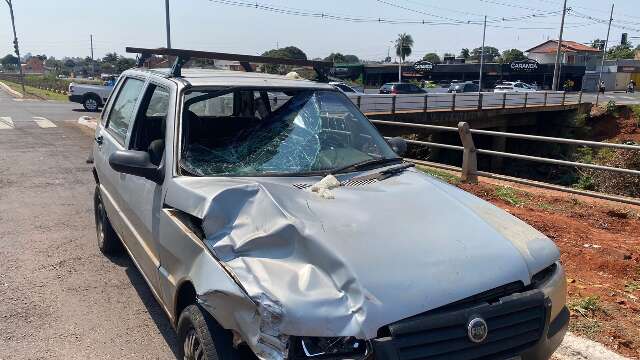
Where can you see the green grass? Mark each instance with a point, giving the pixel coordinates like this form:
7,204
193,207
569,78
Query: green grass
586,327
585,306
546,206
509,195
439,174
632,286
38,93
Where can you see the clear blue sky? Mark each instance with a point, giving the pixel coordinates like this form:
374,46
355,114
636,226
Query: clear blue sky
62,27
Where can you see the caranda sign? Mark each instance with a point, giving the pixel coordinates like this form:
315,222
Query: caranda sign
423,66
525,65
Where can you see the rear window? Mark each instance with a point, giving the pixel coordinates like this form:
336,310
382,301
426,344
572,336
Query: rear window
387,86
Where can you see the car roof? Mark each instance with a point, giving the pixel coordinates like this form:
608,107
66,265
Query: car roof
214,77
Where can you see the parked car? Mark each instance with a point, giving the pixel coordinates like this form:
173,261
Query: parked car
344,88
400,88
463,87
92,97
294,230
513,87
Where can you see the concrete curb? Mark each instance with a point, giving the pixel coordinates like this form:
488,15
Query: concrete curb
10,90
577,348
89,122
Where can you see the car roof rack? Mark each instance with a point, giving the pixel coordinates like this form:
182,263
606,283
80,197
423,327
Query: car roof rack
183,56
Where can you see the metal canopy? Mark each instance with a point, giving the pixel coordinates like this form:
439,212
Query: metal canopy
183,56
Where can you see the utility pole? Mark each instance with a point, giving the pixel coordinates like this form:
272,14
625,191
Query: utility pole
15,45
604,54
93,64
556,68
484,33
168,23
400,60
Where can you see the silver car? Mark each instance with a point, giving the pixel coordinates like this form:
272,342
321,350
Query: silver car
271,220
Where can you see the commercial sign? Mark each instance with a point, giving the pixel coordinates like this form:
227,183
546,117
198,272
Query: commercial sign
423,66
525,65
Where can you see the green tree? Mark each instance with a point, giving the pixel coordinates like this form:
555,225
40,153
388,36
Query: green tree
289,52
124,63
465,53
598,44
511,55
490,54
336,58
110,58
404,45
351,59
9,62
432,58
622,51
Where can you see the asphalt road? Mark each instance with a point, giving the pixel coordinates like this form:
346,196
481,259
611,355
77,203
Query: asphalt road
59,297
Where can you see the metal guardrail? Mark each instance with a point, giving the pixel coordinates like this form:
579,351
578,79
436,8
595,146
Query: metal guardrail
469,168
377,103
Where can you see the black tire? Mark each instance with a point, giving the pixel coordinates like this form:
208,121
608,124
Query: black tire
91,103
108,241
201,338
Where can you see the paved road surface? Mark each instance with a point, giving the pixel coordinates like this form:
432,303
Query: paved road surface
59,297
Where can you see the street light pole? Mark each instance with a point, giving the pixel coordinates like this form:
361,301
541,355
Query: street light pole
168,23
400,60
15,44
556,68
484,33
604,54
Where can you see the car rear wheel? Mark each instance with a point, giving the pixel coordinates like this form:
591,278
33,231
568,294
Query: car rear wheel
91,103
201,338
108,241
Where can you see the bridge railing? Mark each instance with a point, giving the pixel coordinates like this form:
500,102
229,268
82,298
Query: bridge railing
469,166
383,103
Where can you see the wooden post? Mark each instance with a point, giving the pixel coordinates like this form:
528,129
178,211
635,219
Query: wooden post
479,101
469,154
393,104
545,97
564,96
453,102
359,101
526,99
504,100
580,97
426,102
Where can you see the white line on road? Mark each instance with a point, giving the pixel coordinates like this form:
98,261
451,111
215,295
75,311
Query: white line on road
6,123
43,122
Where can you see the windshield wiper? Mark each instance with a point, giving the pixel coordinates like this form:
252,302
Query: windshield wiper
367,164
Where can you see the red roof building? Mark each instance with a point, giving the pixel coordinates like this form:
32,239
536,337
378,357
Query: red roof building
573,53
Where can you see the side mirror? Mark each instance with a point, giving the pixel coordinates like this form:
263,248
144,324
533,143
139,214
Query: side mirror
398,145
136,163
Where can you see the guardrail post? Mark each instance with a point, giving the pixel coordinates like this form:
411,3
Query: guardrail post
426,102
393,104
453,102
546,93
580,97
359,101
526,99
564,96
479,101
504,100
469,154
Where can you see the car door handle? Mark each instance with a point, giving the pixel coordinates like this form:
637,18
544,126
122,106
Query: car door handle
98,139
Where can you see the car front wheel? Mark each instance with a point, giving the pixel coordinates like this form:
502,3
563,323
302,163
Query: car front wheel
201,338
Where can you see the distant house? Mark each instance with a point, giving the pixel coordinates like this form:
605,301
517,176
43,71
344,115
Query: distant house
33,66
573,53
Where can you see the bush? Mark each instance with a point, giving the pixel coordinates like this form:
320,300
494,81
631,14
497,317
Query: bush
611,107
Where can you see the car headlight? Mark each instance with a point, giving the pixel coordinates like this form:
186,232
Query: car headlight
328,347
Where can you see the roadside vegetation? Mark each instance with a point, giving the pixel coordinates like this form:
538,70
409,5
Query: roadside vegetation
33,92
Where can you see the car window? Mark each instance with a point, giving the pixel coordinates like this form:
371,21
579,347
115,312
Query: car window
159,103
122,111
312,131
344,88
149,129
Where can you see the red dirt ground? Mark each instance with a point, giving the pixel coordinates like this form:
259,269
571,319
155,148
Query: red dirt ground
623,127
600,249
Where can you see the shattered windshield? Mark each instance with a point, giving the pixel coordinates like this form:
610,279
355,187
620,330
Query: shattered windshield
274,132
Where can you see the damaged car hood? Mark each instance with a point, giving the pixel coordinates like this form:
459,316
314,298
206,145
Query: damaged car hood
375,254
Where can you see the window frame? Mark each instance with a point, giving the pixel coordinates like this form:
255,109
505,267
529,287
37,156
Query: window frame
145,98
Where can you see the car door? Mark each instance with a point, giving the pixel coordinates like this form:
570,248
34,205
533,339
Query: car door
143,196
113,135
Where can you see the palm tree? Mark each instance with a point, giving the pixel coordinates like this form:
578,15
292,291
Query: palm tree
404,43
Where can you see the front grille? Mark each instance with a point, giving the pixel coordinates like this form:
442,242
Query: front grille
514,323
